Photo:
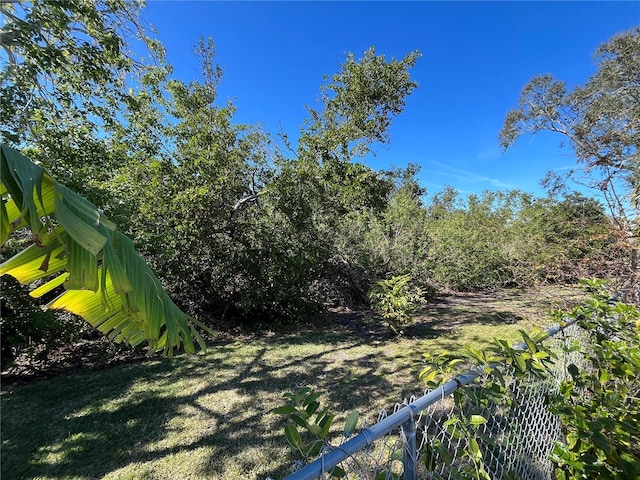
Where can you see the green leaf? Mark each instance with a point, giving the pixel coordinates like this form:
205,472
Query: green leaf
604,376
313,450
312,408
108,283
530,344
559,474
293,436
311,398
474,449
325,424
338,472
5,224
428,456
300,395
444,453
299,419
316,430
451,421
322,413
475,353
48,286
350,424
284,410
428,375
477,420
541,355
520,362
86,236
26,266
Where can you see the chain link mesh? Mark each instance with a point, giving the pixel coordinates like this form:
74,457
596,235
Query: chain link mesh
515,442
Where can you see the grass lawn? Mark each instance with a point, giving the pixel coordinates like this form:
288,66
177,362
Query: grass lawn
208,416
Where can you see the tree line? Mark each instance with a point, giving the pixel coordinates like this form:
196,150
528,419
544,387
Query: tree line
238,222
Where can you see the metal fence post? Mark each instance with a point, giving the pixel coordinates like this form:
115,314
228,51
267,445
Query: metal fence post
409,454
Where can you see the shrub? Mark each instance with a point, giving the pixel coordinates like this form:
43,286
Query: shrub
396,298
599,407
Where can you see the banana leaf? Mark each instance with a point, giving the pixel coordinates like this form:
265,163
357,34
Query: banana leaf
74,245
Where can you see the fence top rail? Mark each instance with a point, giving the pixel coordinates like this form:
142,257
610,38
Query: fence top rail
408,413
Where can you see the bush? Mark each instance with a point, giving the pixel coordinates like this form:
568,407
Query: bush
28,329
599,407
396,299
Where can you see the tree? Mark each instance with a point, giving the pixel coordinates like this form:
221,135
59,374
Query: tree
65,89
560,240
324,184
464,240
65,82
357,106
601,120
106,281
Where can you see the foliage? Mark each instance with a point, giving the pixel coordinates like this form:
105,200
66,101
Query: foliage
601,121
396,298
218,401
238,224
531,357
487,241
303,411
357,105
598,407
561,240
244,229
197,219
107,282
66,81
22,323
463,241
378,242
509,238
229,222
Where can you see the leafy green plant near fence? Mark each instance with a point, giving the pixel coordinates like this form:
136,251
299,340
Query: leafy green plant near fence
309,426
465,422
599,408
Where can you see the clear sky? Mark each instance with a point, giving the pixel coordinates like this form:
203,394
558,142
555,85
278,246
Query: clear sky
476,57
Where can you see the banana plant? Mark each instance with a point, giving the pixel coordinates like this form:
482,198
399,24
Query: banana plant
105,280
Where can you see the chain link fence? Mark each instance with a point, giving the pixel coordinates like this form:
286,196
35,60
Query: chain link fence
422,437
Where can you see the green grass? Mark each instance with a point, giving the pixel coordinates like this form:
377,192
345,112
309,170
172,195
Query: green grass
209,416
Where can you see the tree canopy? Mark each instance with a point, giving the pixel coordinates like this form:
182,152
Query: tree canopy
601,120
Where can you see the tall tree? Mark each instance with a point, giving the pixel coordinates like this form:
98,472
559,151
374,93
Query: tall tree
65,83
358,104
64,90
325,183
204,183
601,120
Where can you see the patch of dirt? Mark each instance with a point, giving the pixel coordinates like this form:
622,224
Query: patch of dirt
442,315
502,306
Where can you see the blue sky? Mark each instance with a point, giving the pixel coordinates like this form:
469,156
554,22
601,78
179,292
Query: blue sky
476,57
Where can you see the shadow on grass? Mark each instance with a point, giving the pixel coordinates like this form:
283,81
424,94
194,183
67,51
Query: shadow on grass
210,416
93,424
